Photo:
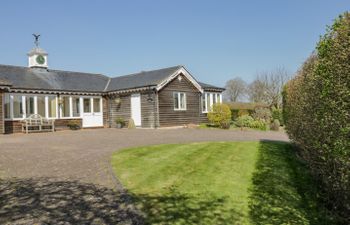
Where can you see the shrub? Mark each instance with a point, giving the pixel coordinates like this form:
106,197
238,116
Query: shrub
262,114
220,115
316,112
277,115
259,124
120,121
243,112
234,114
131,124
73,124
244,121
275,125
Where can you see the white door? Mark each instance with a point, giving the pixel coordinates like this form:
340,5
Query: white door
136,109
92,112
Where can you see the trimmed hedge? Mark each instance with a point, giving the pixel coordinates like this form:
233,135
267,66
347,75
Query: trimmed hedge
317,114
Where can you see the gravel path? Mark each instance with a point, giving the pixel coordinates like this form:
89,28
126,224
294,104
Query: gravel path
84,155
75,165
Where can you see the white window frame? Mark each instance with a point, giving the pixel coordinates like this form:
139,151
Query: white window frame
47,106
212,95
80,106
24,105
179,101
70,99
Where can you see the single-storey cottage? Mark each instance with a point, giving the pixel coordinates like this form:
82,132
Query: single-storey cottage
159,98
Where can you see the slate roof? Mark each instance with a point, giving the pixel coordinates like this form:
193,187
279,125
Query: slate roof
58,80
142,79
210,87
46,79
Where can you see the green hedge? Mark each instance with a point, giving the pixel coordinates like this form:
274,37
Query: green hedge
317,114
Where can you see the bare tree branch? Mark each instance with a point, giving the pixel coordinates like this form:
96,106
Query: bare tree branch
235,89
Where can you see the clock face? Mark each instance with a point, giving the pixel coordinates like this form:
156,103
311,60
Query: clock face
40,59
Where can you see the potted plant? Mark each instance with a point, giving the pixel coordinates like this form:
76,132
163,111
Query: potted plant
120,122
73,125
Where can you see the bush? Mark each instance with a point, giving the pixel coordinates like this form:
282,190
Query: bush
275,125
220,115
243,112
259,124
73,124
120,121
244,121
316,112
234,114
262,114
277,115
131,124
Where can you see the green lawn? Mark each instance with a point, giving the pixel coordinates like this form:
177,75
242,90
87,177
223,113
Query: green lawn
219,183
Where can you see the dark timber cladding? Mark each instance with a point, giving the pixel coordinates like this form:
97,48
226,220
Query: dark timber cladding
123,109
170,117
2,125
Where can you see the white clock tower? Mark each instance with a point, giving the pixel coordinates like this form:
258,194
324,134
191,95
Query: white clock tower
37,57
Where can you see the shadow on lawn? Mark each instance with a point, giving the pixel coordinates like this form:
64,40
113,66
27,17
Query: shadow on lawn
175,208
46,201
283,192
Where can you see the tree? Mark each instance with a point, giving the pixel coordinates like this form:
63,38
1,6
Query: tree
235,89
267,87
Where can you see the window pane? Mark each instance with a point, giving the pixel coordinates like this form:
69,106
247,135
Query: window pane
176,100
97,105
52,106
29,105
41,105
214,98
17,106
208,102
76,106
65,107
182,101
204,108
87,106
7,106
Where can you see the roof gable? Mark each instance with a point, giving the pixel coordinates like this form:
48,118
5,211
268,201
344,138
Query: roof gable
184,72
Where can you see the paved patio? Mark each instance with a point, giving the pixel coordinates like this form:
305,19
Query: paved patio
65,177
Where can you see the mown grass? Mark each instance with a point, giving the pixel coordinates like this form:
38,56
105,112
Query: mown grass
220,183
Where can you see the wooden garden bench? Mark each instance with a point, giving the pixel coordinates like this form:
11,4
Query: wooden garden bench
36,123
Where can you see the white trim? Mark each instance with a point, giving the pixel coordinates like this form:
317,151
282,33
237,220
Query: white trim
178,93
183,71
212,95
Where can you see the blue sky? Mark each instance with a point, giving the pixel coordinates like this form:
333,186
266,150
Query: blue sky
215,40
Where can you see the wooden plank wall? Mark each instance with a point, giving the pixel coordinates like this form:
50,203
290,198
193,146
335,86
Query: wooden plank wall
149,116
170,117
2,124
105,112
123,110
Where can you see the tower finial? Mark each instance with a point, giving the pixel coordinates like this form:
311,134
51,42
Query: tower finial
36,36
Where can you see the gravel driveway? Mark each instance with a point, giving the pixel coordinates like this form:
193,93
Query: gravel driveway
74,165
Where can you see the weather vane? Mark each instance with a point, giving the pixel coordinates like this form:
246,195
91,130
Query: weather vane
36,36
